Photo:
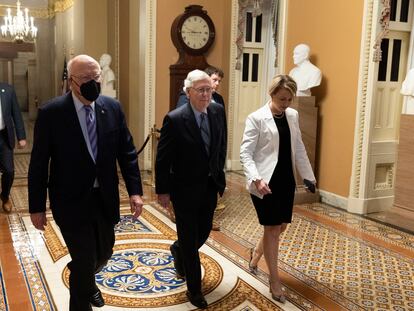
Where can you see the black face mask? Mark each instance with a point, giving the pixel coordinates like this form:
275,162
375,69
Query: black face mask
90,90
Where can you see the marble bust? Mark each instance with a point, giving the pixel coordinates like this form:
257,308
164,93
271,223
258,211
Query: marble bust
407,89
108,76
306,74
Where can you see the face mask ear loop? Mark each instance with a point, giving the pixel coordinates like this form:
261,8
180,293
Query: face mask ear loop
71,79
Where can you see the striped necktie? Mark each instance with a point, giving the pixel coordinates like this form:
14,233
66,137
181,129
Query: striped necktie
91,127
205,131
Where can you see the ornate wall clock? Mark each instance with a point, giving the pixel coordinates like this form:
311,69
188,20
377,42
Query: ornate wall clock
192,33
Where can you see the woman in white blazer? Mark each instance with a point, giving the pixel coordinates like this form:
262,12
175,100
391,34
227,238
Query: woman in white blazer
271,151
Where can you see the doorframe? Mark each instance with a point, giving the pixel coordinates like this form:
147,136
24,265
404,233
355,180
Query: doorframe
233,152
368,154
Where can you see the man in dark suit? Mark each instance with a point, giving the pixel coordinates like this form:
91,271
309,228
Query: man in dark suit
11,121
216,76
190,171
78,139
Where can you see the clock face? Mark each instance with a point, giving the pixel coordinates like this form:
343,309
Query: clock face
195,32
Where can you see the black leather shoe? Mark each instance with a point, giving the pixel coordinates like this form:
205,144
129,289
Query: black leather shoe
197,299
177,263
97,300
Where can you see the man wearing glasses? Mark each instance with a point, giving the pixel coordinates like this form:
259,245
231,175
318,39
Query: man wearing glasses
78,139
190,172
216,75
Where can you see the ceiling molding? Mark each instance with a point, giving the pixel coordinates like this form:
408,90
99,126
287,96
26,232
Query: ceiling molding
59,6
35,12
54,6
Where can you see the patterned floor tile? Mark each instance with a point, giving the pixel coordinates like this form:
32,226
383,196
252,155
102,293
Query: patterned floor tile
140,274
356,262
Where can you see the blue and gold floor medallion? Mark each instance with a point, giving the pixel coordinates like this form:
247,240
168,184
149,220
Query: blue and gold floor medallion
140,274
143,275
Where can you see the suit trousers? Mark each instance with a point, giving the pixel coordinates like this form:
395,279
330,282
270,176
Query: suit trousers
194,218
6,165
90,246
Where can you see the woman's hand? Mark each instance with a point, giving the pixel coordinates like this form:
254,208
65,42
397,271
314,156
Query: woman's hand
262,187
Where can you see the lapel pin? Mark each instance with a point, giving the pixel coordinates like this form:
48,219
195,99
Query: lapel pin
2,90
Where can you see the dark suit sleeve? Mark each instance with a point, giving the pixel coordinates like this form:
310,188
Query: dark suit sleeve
182,100
165,154
39,164
17,117
218,98
223,149
128,159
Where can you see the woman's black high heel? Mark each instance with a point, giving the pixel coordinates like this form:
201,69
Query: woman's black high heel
252,269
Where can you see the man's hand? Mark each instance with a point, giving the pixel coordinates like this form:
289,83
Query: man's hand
39,220
136,203
262,187
164,200
21,144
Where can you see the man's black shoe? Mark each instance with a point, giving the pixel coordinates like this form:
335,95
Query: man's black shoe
97,300
197,299
177,263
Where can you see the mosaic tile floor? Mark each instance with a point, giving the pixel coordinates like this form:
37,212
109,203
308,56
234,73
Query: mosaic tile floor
330,260
140,274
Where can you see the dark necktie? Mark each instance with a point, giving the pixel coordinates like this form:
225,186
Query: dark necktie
91,127
205,131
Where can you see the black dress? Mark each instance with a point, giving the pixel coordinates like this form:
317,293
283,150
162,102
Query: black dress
276,208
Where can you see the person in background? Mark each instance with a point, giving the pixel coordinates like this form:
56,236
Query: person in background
11,122
78,140
270,152
189,171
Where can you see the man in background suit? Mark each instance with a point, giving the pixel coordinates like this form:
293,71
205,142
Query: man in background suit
11,121
78,139
190,172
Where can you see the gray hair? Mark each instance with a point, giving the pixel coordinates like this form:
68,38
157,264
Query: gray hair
194,76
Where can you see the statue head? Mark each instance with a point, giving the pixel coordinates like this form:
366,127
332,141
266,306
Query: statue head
105,60
300,53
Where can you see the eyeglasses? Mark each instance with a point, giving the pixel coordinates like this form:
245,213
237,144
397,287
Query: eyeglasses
84,79
203,90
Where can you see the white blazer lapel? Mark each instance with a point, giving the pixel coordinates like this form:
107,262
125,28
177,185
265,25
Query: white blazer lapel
268,119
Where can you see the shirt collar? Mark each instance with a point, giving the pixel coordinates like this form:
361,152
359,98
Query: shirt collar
79,105
196,112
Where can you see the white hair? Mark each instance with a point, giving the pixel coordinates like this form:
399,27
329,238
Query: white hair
80,58
194,76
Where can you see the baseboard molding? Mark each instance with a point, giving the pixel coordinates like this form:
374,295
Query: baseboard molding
370,205
233,165
333,199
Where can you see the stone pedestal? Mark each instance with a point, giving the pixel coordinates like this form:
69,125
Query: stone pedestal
308,123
